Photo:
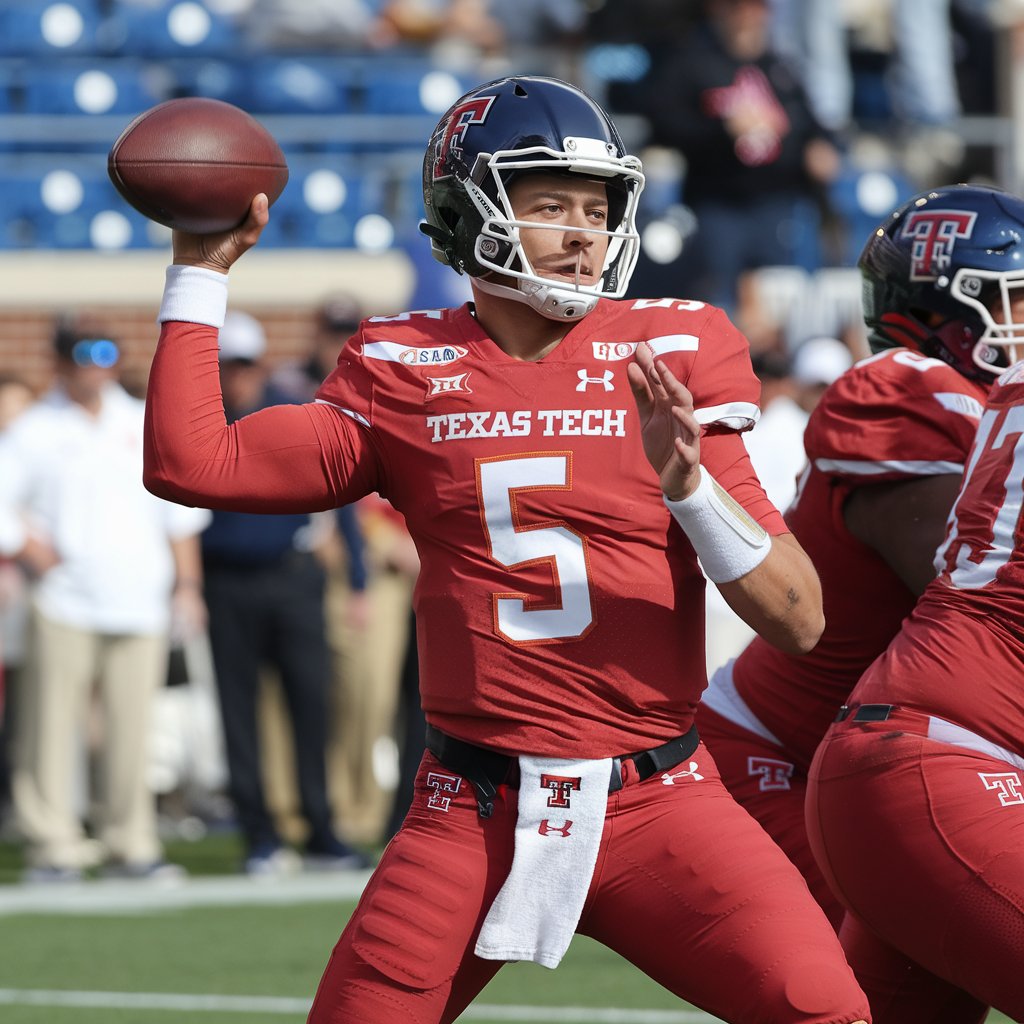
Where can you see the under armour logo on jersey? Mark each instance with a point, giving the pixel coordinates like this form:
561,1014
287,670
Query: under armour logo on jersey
560,786
1006,784
935,233
448,385
605,380
669,778
775,775
443,787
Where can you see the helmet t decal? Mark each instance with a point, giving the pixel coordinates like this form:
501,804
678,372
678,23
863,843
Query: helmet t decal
449,149
935,233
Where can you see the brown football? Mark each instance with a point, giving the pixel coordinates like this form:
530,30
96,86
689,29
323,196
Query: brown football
195,164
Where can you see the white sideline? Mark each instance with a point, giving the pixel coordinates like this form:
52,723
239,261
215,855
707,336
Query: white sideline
286,1006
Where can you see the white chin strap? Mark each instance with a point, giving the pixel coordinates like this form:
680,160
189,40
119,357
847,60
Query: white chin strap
548,299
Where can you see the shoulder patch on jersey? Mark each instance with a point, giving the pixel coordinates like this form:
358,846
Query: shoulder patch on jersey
438,386
410,355
615,351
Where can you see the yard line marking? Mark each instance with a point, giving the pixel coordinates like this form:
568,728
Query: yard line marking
119,896
284,1005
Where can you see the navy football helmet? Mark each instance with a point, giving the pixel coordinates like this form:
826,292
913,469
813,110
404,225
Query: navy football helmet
504,128
940,275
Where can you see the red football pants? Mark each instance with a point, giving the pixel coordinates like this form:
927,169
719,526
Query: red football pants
924,843
764,781
688,887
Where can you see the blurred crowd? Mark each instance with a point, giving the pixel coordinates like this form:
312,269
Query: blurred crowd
167,671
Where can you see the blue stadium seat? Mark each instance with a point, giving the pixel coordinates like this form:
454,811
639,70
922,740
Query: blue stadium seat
321,204
92,87
217,78
172,28
416,88
31,28
298,85
862,198
67,204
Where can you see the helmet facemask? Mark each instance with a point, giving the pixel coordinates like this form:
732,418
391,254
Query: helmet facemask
985,291
498,248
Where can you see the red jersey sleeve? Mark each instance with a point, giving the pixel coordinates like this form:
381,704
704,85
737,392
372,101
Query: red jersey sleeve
349,387
894,416
286,458
725,389
726,393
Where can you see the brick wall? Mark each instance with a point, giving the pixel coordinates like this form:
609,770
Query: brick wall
121,293
26,338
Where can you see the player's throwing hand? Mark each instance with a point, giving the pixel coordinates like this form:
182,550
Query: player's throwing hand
671,433
219,251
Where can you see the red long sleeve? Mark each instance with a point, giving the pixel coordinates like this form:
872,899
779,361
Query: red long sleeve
286,458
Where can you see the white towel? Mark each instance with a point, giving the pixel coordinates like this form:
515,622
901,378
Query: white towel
562,806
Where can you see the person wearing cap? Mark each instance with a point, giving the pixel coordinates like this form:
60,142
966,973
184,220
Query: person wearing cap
110,565
265,593
817,363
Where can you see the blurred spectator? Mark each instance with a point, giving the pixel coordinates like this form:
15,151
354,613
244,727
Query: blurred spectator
336,319
756,158
776,444
817,363
310,24
367,750
451,24
889,64
348,598
109,562
265,594
15,397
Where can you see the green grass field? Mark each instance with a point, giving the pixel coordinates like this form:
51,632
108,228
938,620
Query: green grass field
215,964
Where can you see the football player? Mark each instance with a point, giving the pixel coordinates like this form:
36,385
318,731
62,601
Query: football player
562,459
915,803
886,449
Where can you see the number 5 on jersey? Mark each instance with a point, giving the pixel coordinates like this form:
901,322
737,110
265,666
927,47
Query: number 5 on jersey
515,545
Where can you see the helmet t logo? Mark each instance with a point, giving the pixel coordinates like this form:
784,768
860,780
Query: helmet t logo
935,233
473,111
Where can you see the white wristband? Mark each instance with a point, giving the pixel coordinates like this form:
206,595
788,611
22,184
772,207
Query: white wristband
195,295
727,540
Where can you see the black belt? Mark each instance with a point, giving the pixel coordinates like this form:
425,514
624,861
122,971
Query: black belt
487,769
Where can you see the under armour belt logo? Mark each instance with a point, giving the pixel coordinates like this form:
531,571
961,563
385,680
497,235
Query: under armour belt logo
669,778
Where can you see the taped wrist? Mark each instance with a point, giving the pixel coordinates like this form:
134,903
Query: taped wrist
195,295
727,540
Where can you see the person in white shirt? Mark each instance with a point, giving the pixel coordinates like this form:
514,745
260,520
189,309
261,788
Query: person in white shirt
109,563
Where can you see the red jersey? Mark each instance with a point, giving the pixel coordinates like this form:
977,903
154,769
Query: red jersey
960,655
894,416
560,609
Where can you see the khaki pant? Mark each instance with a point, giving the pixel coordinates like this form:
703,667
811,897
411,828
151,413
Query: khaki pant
364,694
62,667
